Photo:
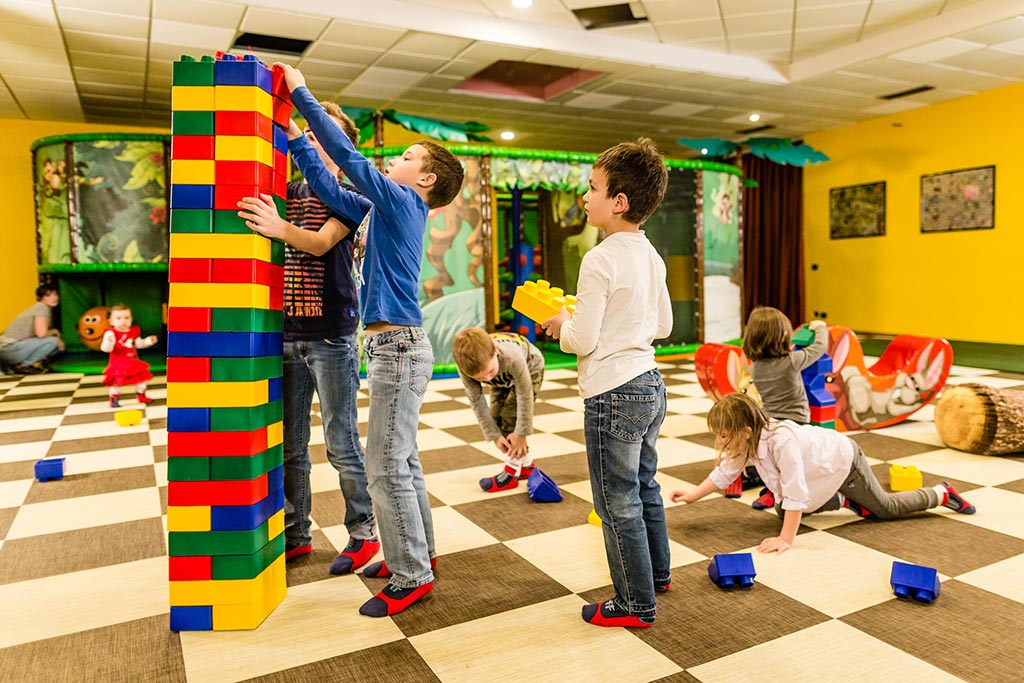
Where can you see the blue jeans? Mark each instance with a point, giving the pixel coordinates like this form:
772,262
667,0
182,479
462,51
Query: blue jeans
621,428
331,366
28,351
398,367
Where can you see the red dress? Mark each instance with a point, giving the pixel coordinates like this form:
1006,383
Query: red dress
125,366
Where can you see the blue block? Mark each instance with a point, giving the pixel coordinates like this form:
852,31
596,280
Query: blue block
541,489
246,517
914,581
224,344
188,419
274,389
198,618
191,196
280,139
50,469
245,71
275,479
821,366
732,571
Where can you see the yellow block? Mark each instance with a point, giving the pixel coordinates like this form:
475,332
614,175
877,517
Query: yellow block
905,478
243,148
538,301
275,525
203,245
593,518
227,591
244,98
192,98
219,294
217,395
188,518
275,434
239,617
193,172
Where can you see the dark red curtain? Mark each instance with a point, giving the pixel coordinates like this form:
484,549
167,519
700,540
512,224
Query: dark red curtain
773,245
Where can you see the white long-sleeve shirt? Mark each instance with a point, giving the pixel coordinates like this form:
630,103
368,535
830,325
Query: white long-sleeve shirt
803,465
622,305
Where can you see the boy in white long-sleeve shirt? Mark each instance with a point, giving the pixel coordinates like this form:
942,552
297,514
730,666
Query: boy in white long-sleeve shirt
622,305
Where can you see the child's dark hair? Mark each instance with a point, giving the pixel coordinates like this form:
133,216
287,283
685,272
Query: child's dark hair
729,417
447,170
472,349
768,334
44,290
637,170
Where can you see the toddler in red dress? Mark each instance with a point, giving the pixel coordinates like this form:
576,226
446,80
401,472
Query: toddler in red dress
121,340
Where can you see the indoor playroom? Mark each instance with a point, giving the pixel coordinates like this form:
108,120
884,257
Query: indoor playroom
198,402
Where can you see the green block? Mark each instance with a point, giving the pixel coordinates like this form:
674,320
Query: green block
245,419
237,468
192,123
188,469
192,220
228,223
282,206
804,336
277,252
190,72
245,369
831,424
247,566
217,542
247,320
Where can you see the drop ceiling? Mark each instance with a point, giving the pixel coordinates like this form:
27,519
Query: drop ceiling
695,68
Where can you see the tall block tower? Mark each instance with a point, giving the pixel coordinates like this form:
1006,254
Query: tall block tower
225,493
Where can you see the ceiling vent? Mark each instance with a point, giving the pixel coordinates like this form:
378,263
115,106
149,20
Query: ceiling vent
607,16
527,81
756,129
907,93
258,42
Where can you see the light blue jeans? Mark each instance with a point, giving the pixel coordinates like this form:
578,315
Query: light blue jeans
621,429
331,366
28,351
399,364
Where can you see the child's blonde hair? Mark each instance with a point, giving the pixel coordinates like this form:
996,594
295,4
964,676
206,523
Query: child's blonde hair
729,417
472,349
768,334
118,307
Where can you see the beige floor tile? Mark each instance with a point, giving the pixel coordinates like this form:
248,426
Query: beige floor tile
966,371
580,489
562,647
31,403
30,389
979,469
156,412
448,418
690,390
91,430
998,510
114,459
158,437
316,621
552,444
446,384
566,373
1004,578
460,486
16,452
29,424
911,430
90,408
83,600
160,472
78,513
689,404
90,390
573,403
682,425
558,422
672,452
12,493
454,533
831,651
429,439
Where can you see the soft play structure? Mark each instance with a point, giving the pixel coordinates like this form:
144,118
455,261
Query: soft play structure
908,376
980,419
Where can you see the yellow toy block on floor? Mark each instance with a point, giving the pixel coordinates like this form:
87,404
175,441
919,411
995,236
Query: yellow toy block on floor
539,301
594,519
128,418
904,478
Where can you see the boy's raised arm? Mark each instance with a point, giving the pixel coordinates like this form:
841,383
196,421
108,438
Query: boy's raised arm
324,184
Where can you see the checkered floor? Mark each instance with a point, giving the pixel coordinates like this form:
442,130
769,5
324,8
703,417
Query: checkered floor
83,571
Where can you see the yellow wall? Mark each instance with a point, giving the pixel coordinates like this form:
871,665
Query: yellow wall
960,285
18,275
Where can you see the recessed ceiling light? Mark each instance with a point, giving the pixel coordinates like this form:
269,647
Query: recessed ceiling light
703,150
522,4
754,118
508,135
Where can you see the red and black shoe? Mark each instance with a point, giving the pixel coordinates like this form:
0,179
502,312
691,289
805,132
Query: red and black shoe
379,570
608,613
293,551
764,501
503,481
393,600
143,398
955,502
662,587
858,509
358,552
115,400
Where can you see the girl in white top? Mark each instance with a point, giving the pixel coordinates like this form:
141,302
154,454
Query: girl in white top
808,468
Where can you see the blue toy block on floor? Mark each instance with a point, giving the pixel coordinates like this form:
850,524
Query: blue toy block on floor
541,488
50,469
197,618
732,571
914,581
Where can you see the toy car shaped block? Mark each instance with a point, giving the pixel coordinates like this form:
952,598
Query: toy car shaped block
541,488
539,301
732,571
914,581
50,469
905,478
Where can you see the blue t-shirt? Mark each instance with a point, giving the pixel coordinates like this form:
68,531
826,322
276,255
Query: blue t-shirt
392,217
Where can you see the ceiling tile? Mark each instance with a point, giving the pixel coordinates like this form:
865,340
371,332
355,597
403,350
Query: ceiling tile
89,88
130,7
360,35
106,44
431,44
330,52
889,13
757,24
851,14
733,7
205,12
108,76
893,107
672,10
936,50
209,39
395,60
99,60
313,67
812,40
685,32
680,109
58,71
996,33
104,22
287,24
1014,46
595,101
30,12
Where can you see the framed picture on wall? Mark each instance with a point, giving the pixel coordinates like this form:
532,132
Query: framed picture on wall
959,200
857,211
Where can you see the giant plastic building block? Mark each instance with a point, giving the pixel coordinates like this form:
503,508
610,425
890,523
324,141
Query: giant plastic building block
541,488
538,301
905,478
914,581
49,469
732,571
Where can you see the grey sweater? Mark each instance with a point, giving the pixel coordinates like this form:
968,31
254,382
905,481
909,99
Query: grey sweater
779,382
520,366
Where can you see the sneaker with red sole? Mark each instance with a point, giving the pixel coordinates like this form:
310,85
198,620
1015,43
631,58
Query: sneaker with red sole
955,502
858,509
662,587
608,613
293,551
393,600
357,553
379,570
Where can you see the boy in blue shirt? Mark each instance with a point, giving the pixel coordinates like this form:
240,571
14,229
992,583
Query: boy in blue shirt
392,213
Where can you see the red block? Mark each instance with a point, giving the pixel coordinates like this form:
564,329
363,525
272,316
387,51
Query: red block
226,197
192,147
276,276
243,172
280,163
823,413
244,270
181,319
195,568
215,444
282,112
280,185
190,270
276,299
189,369
244,123
278,87
217,492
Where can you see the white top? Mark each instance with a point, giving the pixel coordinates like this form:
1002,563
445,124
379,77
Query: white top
803,465
622,305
